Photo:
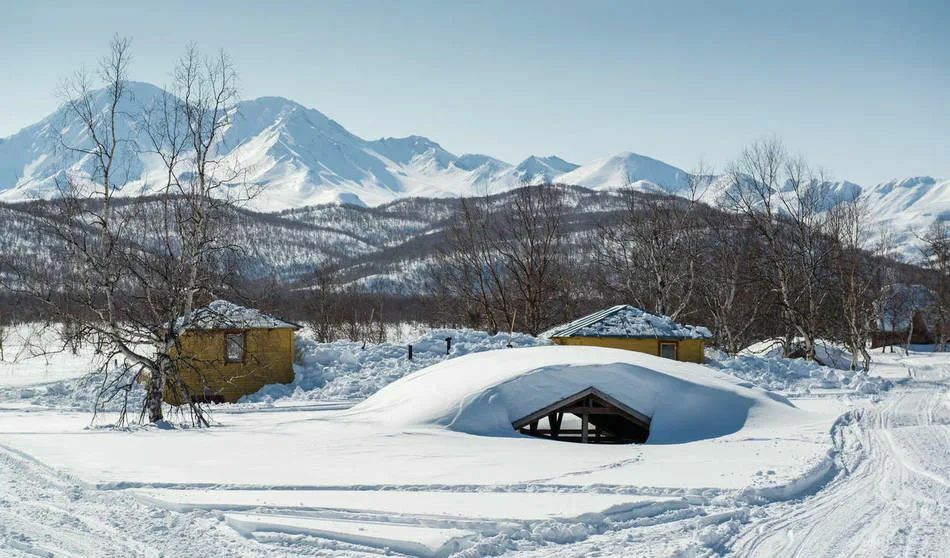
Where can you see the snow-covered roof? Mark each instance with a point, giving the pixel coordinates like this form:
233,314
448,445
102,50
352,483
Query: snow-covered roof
483,393
222,314
627,321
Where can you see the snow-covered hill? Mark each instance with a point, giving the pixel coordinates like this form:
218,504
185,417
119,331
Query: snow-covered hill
301,157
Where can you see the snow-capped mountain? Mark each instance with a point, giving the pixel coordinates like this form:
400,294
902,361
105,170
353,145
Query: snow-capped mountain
538,170
629,169
301,157
298,155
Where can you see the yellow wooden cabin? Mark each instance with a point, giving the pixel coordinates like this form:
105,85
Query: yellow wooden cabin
634,329
227,351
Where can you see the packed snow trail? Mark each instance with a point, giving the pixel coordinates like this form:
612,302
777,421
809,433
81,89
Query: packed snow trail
45,513
892,495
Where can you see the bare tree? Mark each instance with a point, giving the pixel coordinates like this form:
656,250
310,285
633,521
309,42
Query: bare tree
324,304
531,244
858,275
503,263
729,285
785,203
134,272
648,255
936,255
4,334
470,269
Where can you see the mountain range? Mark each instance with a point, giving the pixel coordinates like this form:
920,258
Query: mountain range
301,157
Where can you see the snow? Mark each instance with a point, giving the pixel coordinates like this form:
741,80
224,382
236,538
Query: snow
498,506
221,314
402,538
627,321
484,393
302,157
353,371
628,169
36,356
841,472
764,365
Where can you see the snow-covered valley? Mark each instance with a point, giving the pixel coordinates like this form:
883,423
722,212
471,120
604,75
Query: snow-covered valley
309,470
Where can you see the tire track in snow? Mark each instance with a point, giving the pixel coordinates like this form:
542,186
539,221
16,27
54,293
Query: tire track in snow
891,496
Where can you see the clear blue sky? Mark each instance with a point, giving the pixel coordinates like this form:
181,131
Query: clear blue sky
862,88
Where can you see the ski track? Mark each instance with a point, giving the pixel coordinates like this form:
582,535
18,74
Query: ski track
888,495
45,513
892,494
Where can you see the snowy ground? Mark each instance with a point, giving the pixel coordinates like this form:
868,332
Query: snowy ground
862,472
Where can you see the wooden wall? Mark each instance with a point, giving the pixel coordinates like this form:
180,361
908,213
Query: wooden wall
689,350
268,359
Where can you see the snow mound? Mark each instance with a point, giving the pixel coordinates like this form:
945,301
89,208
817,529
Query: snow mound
826,353
348,370
484,393
764,365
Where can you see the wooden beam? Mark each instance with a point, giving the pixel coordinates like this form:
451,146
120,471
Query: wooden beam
593,411
634,415
584,425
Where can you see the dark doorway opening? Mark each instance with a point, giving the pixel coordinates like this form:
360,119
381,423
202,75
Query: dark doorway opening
589,417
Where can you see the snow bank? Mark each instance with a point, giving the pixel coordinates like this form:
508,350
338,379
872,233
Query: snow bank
484,393
346,370
764,365
40,368
827,353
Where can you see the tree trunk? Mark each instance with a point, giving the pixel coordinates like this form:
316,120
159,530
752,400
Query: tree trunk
910,335
155,391
867,359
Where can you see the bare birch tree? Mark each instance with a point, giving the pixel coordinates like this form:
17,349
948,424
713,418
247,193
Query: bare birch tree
135,271
729,286
784,202
936,255
858,275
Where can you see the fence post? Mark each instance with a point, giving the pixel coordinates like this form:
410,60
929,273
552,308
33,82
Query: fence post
410,351
448,345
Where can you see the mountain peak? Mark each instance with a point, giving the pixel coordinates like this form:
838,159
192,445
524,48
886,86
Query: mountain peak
626,169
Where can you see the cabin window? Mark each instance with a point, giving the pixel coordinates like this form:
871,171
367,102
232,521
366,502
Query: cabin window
668,350
234,347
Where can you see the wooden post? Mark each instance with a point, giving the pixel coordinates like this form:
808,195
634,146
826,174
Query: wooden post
533,428
584,424
448,345
554,420
410,351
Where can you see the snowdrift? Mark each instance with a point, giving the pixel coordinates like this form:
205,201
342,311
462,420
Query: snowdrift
350,370
765,364
483,393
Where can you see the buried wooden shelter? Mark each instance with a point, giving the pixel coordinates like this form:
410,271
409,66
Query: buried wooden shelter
603,420
631,328
227,351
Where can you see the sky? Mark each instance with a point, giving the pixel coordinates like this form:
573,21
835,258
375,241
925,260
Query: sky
859,88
